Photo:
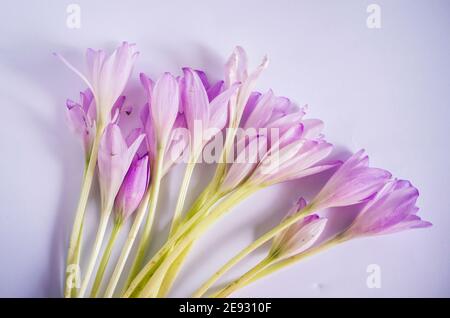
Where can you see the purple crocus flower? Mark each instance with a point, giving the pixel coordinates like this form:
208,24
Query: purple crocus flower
204,118
81,119
236,72
297,152
133,188
354,182
268,110
150,141
107,76
392,210
178,140
178,143
211,90
114,159
292,159
164,106
298,237
245,162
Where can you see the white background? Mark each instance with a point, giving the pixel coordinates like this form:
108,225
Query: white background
386,90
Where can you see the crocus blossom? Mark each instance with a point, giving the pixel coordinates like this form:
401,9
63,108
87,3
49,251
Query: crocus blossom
180,116
298,159
81,119
298,237
178,143
204,118
114,159
269,110
132,189
164,106
236,71
178,139
245,162
392,210
354,182
297,149
107,76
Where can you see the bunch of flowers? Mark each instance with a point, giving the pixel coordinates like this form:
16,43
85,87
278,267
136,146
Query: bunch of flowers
259,139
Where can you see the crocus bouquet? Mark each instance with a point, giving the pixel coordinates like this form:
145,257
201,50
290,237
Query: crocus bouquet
255,139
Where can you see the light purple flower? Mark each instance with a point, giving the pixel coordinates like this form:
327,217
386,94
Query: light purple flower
215,90
133,188
298,160
298,150
178,139
178,143
354,182
211,90
245,161
150,141
114,159
392,210
81,119
268,110
298,237
164,106
236,72
204,118
107,76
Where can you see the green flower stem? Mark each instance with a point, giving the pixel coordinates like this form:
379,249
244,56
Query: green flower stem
244,278
140,213
151,289
74,251
204,288
76,257
250,248
150,195
105,258
294,259
172,272
157,259
103,224
144,243
182,196
272,267
199,203
176,266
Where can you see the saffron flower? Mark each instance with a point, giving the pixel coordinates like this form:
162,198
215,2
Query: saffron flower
114,159
236,72
133,188
81,118
392,210
245,162
354,182
298,237
204,118
127,200
164,105
295,151
178,139
107,76
178,143
268,140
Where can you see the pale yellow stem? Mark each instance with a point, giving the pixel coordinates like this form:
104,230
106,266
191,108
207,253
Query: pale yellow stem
74,251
